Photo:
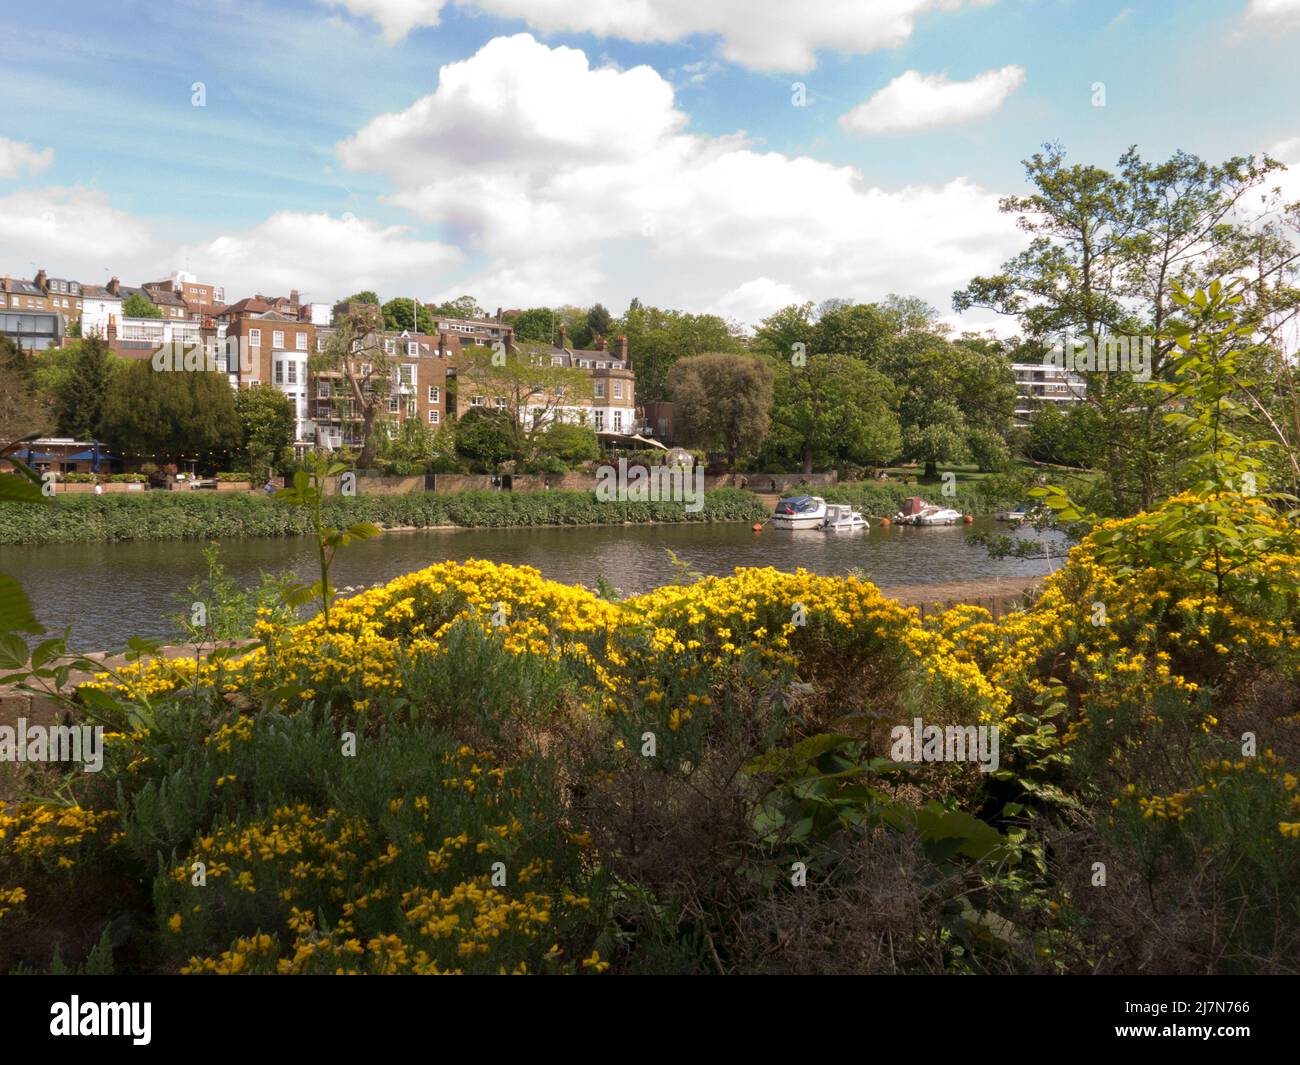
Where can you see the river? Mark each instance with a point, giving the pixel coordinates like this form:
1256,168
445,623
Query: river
108,592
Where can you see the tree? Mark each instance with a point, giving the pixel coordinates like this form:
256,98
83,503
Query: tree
404,315
137,305
460,307
860,330
22,408
171,415
570,443
837,408
532,393
362,297
780,332
1105,247
722,401
355,349
658,338
599,321
82,391
484,437
266,425
536,325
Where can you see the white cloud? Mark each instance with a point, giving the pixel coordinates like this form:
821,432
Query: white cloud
17,156
753,300
762,34
322,256
73,232
1268,10
914,101
575,184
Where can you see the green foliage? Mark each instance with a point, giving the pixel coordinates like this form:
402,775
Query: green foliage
537,324
484,438
170,414
137,305
229,611
405,315
571,444
266,424
722,401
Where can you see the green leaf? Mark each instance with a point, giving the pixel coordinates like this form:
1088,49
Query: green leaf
15,608
13,651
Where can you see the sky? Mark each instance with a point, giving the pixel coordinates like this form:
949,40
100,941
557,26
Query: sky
729,157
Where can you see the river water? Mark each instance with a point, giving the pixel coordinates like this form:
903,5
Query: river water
109,592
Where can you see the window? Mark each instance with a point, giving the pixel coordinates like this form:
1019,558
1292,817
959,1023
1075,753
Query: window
320,343
293,372
433,394
618,389
618,421
300,341
411,410
557,360
322,390
600,420
277,339
477,401
407,374
600,389
356,345
279,372
433,417
394,404
254,338
365,369
389,347
412,347
501,403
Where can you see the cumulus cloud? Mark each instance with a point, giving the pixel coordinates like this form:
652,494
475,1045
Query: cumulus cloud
578,184
17,157
74,232
322,256
1274,10
761,34
914,101
753,300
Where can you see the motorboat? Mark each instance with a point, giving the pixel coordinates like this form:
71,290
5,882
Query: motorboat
799,512
916,511
1016,516
840,517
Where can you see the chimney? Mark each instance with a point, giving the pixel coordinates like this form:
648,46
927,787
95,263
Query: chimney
442,344
600,343
622,348
112,326
564,336
293,298
41,281
498,314
114,287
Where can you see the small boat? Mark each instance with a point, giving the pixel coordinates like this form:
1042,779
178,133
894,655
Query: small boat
1019,514
840,517
916,511
799,512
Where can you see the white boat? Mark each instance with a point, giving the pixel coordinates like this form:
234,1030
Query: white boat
840,517
799,512
917,511
1020,514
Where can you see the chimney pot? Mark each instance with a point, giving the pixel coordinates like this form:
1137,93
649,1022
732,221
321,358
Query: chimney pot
622,348
600,343
564,336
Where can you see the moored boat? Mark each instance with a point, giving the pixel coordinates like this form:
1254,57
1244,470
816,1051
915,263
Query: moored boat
916,511
799,512
840,517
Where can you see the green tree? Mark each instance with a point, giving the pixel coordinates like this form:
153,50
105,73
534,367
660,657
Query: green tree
171,415
356,351
460,307
779,333
722,401
572,444
1105,247
658,338
837,408
484,437
404,315
599,321
535,325
526,387
82,392
362,297
266,425
23,409
137,305
860,330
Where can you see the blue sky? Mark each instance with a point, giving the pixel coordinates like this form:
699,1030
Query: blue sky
254,186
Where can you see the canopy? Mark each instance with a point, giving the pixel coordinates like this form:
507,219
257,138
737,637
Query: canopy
91,455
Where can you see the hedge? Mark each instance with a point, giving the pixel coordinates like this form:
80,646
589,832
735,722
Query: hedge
195,516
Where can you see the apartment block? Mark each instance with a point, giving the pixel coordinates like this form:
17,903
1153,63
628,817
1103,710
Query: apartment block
1041,384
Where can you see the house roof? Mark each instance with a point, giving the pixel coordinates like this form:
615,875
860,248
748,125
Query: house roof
97,292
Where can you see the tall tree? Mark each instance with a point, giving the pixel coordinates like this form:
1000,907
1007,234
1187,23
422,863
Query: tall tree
266,425
658,338
356,351
1105,247
171,415
82,392
408,315
22,408
599,321
536,325
722,401
837,408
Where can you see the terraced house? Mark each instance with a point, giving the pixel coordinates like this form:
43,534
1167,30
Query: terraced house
272,348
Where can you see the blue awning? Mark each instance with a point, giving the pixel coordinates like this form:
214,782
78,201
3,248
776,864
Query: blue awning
90,456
